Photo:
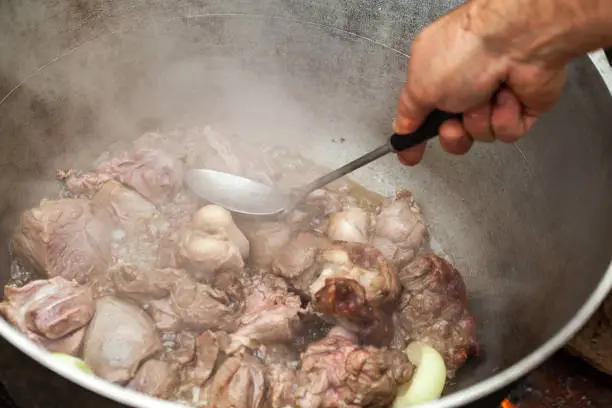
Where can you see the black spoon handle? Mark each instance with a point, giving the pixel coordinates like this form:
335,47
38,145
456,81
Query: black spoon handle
428,130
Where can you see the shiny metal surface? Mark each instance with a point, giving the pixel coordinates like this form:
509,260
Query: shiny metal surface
529,225
238,194
249,197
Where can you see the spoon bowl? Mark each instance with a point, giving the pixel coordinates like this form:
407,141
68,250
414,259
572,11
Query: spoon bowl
235,193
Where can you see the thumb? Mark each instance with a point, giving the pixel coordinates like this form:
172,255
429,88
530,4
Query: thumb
410,112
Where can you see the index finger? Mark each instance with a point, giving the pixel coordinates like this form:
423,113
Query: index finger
410,112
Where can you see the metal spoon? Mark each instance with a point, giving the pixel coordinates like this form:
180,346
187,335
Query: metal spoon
248,197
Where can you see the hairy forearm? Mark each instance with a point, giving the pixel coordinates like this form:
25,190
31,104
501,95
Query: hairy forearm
550,32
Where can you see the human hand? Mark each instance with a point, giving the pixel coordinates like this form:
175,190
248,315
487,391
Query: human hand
499,91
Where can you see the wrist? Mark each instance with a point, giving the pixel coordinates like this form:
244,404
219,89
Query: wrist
543,32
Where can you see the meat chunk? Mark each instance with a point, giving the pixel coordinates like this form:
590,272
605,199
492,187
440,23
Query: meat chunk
53,313
180,347
336,372
296,260
119,338
201,307
278,353
151,289
156,378
151,172
141,284
363,264
63,238
350,225
207,353
282,385
138,224
163,314
266,238
209,257
357,287
216,220
433,309
400,229
238,383
270,314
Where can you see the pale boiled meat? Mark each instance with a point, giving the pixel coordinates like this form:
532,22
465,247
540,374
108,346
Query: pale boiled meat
337,372
199,306
150,288
156,378
238,383
400,229
216,220
64,238
138,224
350,225
142,284
53,313
434,309
282,386
266,239
182,349
151,172
209,256
207,353
163,314
296,261
271,312
120,337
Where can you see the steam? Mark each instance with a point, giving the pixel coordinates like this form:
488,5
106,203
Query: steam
77,77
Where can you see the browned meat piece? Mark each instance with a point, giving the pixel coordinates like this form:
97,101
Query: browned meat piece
64,238
400,229
238,383
151,172
270,314
363,264
119,338
199,306
210,258
336,372
433,309
53,313
156,378
296,260
356,286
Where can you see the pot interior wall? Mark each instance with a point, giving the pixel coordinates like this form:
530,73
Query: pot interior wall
529,225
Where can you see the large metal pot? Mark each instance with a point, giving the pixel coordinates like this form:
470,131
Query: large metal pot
529,224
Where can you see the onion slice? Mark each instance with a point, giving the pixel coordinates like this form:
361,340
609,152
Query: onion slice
428,379
73,361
